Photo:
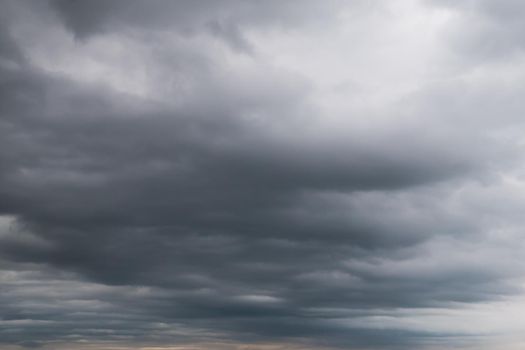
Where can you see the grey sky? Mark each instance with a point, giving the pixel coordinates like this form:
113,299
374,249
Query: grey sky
261,175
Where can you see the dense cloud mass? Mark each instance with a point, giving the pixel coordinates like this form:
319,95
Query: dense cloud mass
262,175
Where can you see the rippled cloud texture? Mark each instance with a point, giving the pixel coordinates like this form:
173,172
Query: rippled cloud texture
262,175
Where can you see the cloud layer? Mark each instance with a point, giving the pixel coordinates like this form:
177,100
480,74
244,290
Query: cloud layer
241,174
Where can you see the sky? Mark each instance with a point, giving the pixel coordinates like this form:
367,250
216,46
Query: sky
262,175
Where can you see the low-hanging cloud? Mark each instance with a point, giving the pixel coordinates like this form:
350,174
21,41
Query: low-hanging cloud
180,174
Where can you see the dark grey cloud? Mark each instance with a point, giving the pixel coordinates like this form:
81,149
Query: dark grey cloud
225,204
225,20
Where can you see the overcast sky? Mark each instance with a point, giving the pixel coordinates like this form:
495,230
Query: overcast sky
262,175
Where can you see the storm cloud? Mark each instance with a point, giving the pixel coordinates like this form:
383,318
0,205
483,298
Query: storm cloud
261,175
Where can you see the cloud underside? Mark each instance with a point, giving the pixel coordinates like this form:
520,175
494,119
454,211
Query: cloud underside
292,175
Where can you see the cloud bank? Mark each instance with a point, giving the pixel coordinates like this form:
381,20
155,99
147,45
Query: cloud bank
261,175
